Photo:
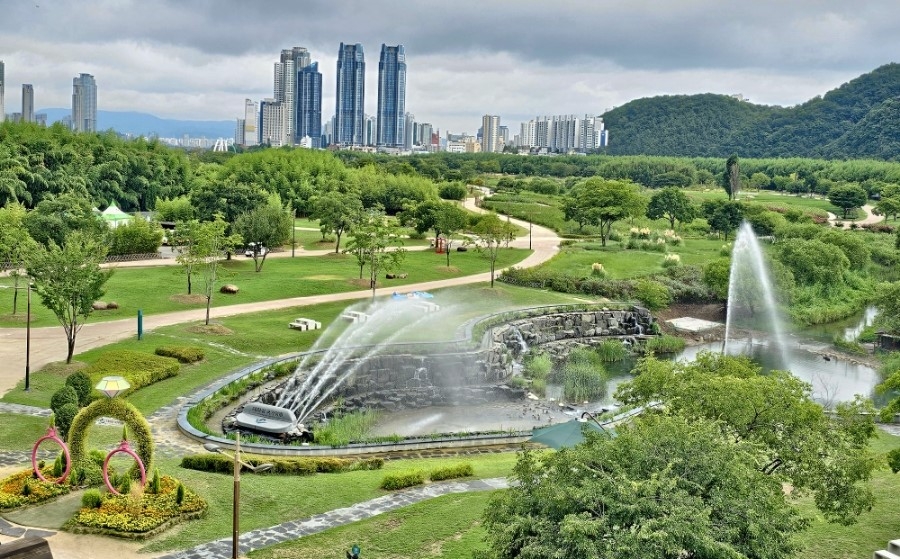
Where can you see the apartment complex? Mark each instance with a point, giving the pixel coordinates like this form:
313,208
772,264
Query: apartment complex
84,103
391,117
563,134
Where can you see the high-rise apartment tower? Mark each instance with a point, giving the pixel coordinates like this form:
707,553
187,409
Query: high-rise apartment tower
2,82
84,103
391,96
27,102
349,115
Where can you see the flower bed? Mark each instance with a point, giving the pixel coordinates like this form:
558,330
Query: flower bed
139,515
24,488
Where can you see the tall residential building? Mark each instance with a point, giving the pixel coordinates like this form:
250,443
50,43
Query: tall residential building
271,122
251,120
490,133
371,130
2,93
409,131
349,115
391,96
309,105
84,103
285,90
27,102
239,138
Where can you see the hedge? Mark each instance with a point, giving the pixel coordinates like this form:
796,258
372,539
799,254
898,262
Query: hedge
117,408
292,466
184,354
452,472
139,369
81,382
402,480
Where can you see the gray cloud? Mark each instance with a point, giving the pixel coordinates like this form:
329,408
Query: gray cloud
201,58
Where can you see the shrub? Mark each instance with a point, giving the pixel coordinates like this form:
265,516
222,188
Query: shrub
725,250
452,472
139,368
452,191
154,482
402,480
137,236
652,294
179,494
64,417
597,270
92,499
81,383
582,376
63,396
184,354
664,344
671,260
518,382
611,350
538,366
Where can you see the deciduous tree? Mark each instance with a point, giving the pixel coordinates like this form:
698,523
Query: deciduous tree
492,233
673,204
68,279
376,243
268,225
603,202
847,197
335,212
15,245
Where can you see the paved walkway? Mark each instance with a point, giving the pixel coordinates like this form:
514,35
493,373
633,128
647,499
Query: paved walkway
846,223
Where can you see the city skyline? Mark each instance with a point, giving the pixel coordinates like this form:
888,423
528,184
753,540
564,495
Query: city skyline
195,61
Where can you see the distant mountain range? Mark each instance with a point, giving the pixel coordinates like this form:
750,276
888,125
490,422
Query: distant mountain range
860,119
144,124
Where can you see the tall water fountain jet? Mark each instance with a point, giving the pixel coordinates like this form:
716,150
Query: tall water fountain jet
374,329
750,291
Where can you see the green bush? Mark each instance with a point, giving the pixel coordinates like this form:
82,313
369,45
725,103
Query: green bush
137,236
154,482
538,366
64,417
452,472
452,191
63,396
402,480
179,494
81,382
184,354
664,344
92,499
303,466
652,294
139,369
518,382
611,350
582,376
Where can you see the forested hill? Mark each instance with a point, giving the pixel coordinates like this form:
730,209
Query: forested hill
857,120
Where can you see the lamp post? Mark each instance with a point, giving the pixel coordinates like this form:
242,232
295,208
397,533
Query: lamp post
27,330
236,497
293,231
529,235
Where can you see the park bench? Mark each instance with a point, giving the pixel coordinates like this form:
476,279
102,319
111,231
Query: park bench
26,548
305,324
355,316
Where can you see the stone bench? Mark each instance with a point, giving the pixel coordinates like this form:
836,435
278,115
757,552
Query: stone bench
355,316
305,324
265,417
26,548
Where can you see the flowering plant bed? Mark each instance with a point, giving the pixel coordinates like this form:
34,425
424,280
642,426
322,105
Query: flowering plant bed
24,488
139,514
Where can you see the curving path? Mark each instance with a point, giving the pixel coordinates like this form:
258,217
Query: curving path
49,344
870,218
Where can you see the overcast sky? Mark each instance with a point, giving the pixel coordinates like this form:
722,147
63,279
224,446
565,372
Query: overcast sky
199,59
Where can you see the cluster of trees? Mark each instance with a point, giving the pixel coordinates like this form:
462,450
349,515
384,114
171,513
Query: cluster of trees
706,477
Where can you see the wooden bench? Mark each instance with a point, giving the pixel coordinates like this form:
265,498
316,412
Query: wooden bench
305,324
355,316
26,548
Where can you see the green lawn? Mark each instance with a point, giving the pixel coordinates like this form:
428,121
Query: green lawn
619,263
267,500
157,289
816,205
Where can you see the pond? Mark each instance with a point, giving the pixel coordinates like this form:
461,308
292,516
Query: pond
832,381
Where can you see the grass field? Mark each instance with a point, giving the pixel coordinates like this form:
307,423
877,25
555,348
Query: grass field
816,205
620,263
159,289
